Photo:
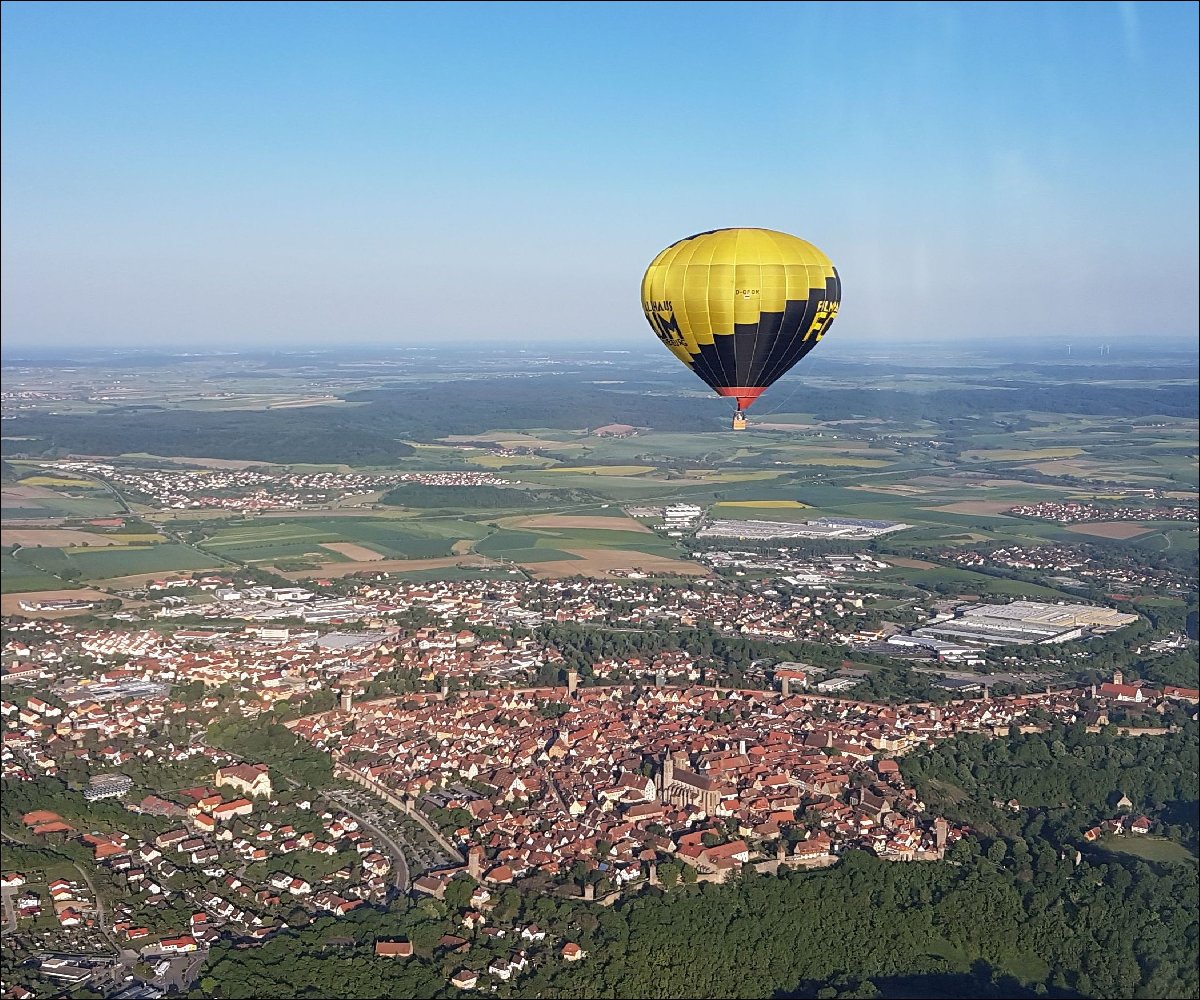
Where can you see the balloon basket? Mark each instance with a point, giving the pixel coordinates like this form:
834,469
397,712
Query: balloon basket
739,421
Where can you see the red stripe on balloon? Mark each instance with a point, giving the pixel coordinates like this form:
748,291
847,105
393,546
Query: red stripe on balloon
744,394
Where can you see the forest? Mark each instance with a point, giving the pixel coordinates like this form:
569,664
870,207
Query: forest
371,433
1065,780
581,646
1012,912
978,926
307,435
265,740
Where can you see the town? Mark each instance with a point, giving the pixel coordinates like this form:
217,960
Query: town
593,790
455,733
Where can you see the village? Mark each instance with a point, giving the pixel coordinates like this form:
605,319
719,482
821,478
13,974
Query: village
249,490
1078,561
1078,511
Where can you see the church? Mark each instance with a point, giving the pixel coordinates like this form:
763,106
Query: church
680,786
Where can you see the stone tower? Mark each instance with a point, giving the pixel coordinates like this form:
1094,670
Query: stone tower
668,776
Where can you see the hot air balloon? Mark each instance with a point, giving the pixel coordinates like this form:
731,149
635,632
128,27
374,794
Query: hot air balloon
740,307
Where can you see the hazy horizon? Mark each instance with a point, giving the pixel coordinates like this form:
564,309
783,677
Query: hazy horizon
866,348
266,177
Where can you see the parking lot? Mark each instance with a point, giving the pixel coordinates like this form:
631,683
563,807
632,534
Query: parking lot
418,849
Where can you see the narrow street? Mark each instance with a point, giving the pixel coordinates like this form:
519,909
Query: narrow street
10,909
99,901
399,862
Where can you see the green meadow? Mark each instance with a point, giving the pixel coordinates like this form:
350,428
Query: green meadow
263,540
103,564
17,576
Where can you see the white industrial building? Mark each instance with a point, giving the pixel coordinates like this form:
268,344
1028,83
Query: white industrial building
1024,623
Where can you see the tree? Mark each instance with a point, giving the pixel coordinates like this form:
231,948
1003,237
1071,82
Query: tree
459,891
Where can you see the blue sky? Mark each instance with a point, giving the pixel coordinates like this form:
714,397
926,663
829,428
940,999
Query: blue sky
182,175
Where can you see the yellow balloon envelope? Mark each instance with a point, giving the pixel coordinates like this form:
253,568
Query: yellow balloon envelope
740,307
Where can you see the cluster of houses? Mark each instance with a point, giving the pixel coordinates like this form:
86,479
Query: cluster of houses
249,490
275,663
1121,824
71,900
502,968
1075,511
758,611
601,783
43,738
246,886
1133,574
824,612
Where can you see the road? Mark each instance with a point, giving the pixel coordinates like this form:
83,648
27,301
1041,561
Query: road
1044,677
10,909
399,863
184,971
100,917
116,495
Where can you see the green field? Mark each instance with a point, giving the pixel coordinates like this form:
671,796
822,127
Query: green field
603,538
102,564
59,506
1172,537
980,583
1148,848
610,487
18,513
392,538
533,555
605,470
18,577
529,545
505,540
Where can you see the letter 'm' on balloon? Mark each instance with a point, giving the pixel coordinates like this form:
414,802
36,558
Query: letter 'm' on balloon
740,307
